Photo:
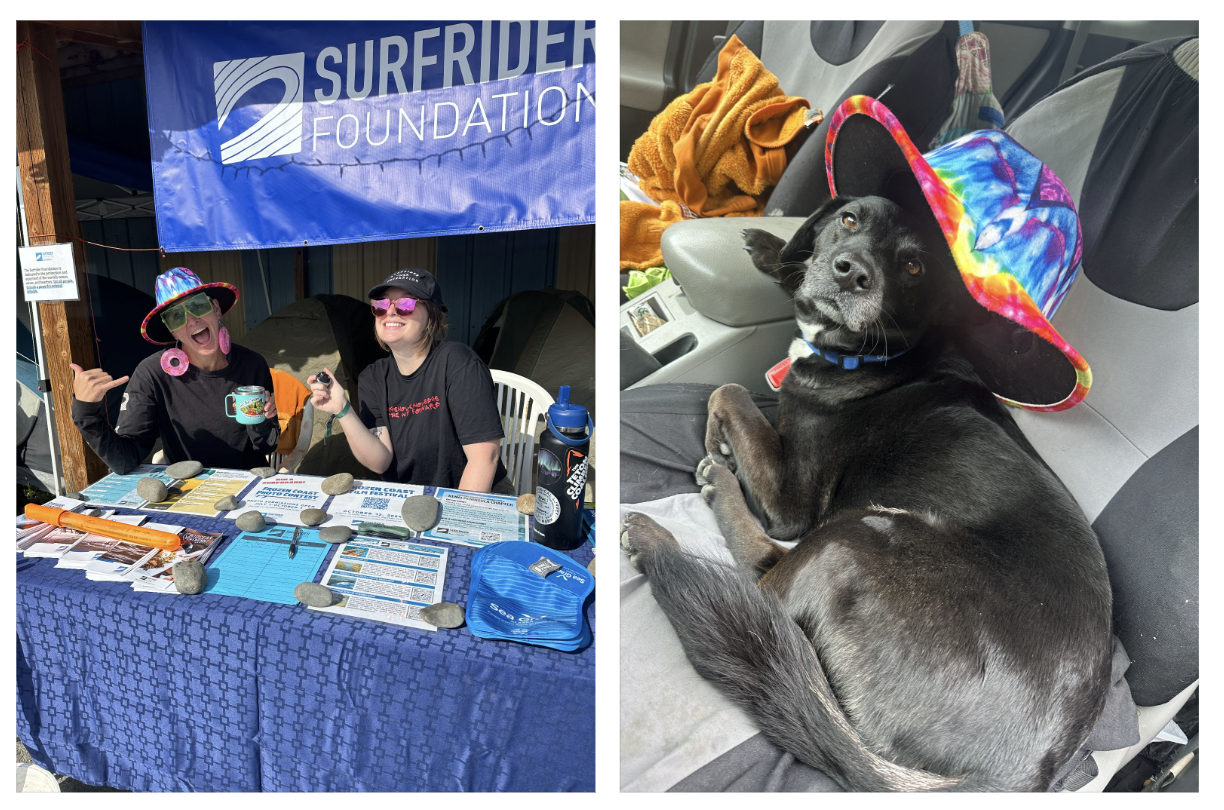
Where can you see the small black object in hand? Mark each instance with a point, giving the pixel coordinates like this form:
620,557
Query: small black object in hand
323,378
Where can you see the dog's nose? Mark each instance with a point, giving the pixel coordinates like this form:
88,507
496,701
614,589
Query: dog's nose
852,274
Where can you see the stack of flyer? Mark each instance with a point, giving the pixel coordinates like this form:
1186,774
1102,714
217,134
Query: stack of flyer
107,559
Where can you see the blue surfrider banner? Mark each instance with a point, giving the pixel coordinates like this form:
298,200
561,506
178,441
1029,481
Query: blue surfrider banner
277,134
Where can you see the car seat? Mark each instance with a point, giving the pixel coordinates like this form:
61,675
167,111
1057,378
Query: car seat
908,64
1123,137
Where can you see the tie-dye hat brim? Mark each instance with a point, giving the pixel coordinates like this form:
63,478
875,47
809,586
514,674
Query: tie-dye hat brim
173,286
1011,229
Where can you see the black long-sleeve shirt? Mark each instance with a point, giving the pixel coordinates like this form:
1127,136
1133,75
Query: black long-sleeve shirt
188,412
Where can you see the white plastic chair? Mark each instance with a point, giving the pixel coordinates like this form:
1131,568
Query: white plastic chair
523,405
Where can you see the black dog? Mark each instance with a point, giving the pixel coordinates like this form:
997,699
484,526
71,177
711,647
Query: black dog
944,621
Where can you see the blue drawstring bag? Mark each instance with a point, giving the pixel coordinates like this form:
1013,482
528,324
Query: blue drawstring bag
529,593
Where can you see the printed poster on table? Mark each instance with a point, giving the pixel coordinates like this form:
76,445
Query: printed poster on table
477,518
372,502
196,496
386,580
281,498
120,490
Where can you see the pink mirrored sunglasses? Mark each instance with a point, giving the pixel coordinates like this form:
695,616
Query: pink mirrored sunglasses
403,306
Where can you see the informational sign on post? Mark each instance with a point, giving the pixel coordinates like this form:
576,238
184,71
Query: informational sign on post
49,273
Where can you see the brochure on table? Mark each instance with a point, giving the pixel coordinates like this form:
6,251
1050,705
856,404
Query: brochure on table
120,490
115,557
108,559
191,496
477,519
371,502
386,580
155,573
196,496
281,498
30,531
88,547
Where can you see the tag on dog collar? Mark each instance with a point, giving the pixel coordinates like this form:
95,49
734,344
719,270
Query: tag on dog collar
777,374
543,567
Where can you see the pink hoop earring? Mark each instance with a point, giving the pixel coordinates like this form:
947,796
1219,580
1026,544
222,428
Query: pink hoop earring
223,340
175,362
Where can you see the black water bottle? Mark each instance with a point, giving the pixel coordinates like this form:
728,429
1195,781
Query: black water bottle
561,474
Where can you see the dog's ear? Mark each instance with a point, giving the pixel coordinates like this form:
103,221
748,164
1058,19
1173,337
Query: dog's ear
803,242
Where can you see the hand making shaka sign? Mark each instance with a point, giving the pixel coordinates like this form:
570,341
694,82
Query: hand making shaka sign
92,385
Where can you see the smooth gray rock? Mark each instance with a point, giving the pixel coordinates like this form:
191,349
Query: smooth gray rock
421,512
226,504
262,472
76,496
312,517
337,484
151,489
444,614
335,534
184,470
313,594
189,576
251,521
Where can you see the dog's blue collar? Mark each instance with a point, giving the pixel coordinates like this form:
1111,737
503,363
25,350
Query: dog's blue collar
850,361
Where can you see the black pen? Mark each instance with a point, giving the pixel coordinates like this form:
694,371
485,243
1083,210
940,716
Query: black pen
293,543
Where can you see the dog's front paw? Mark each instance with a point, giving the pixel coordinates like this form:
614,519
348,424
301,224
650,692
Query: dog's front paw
641,535
764,248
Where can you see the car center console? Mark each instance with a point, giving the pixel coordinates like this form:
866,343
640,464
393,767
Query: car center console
718,319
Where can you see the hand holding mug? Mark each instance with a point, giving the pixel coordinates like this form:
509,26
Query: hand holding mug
92,385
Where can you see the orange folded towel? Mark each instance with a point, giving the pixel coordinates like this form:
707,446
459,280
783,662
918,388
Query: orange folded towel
718,148
641,232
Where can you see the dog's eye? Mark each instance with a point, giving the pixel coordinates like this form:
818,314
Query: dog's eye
913,267
850,221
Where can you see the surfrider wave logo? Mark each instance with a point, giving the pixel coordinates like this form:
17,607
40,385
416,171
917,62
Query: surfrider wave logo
280,131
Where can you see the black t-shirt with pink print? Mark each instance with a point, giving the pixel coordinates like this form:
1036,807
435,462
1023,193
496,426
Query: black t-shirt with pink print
446,403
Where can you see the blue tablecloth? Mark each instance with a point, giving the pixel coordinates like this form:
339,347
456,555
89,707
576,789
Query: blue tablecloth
166,692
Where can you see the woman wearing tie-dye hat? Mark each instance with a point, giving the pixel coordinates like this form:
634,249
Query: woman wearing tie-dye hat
180,395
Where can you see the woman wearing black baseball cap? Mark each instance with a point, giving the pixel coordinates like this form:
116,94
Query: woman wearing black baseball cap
428,413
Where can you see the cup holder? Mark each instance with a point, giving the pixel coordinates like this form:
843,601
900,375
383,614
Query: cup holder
676,349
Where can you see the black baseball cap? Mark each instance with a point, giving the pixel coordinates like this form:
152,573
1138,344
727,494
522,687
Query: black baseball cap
417,283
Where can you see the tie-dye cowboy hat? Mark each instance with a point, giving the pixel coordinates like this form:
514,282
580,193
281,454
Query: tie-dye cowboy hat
173,286
1011,228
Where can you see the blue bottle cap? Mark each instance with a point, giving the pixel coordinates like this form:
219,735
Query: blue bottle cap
564,414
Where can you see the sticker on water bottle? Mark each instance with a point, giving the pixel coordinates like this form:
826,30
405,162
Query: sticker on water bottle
548,508
550,467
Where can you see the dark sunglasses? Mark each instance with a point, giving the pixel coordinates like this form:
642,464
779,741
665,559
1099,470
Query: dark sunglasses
403,306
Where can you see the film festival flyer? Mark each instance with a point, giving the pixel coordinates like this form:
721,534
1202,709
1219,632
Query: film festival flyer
281,498
371,502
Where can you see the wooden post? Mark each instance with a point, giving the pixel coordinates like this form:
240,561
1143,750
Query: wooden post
299,273
46,179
